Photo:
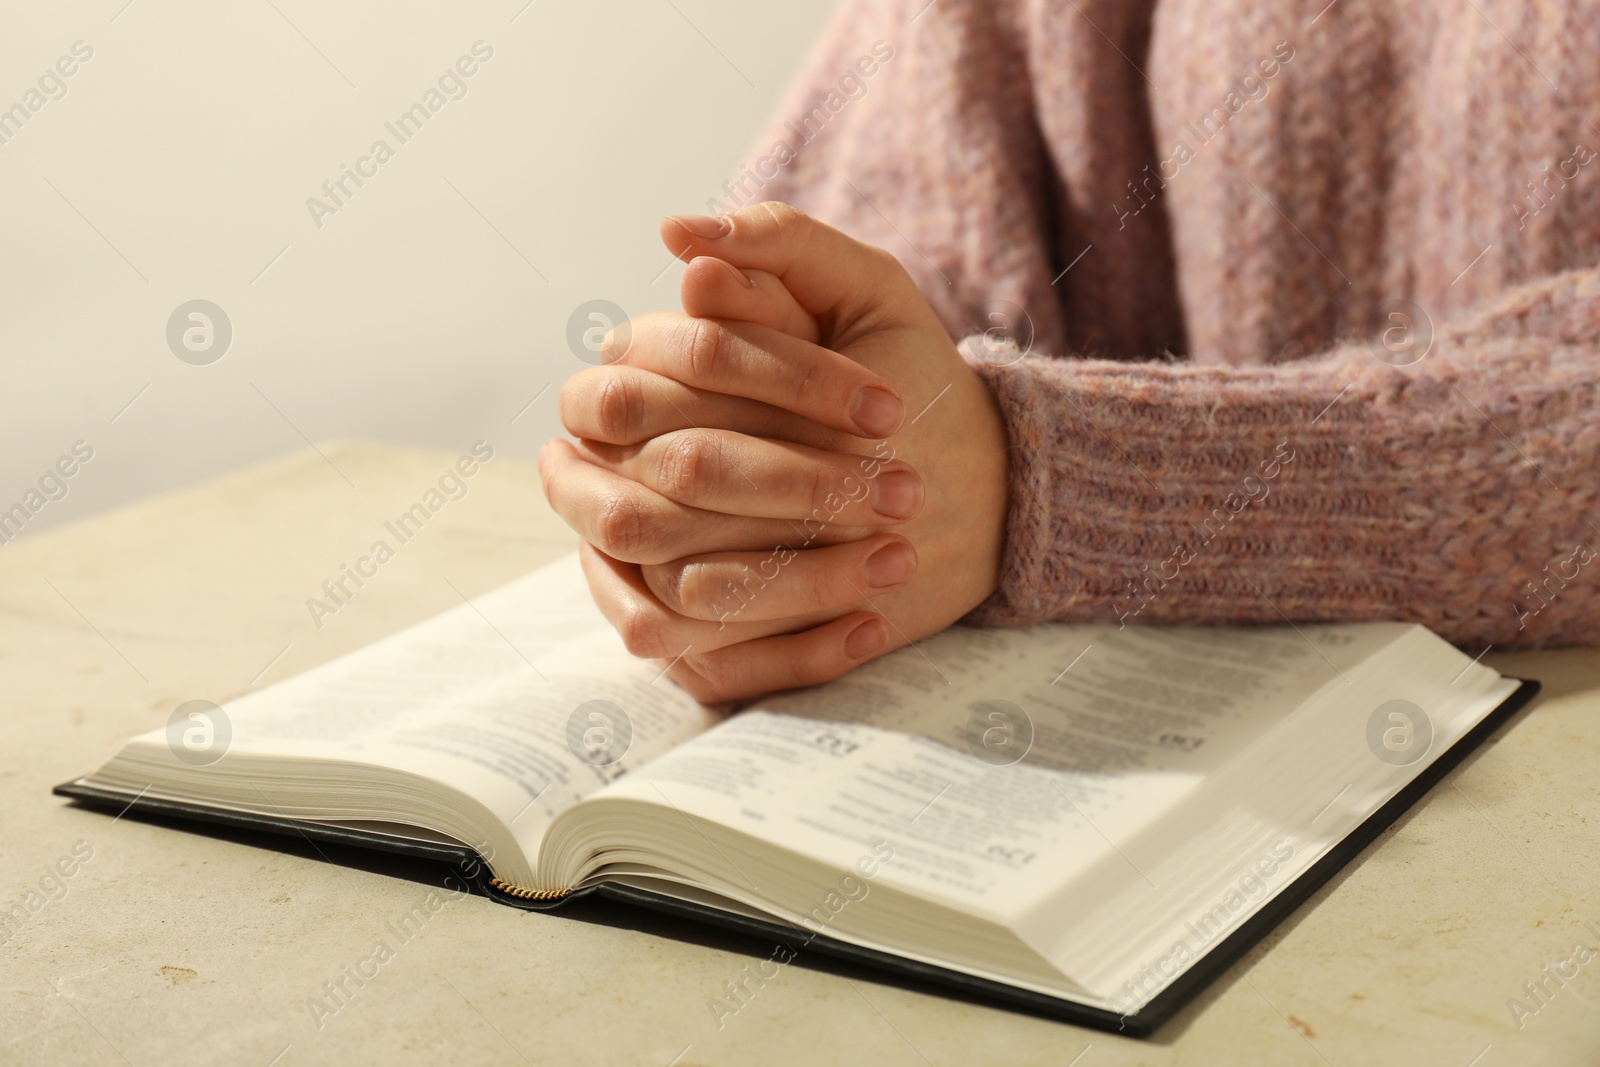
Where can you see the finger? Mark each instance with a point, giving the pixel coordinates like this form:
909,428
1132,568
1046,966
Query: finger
828,272
736,474
753,587
789,661
651,630
715,289
623,405
760,363
635,524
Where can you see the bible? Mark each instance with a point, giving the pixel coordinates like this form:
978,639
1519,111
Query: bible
1083,821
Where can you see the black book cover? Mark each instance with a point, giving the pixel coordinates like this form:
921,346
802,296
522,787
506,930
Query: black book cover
1141,1023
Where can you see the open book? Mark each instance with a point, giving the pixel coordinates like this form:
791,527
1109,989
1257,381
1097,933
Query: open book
1085,821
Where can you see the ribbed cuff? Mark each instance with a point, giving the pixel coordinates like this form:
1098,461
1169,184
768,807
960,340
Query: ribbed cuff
1158,492
1030,409
1446,491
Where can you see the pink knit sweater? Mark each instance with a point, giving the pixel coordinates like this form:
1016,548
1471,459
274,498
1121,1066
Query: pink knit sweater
1209,212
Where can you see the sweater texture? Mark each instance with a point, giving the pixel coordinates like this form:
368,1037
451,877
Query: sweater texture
1298,314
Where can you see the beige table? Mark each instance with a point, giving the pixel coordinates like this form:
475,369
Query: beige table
173,947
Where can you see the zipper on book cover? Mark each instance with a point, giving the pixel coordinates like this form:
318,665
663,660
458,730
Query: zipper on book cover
529,894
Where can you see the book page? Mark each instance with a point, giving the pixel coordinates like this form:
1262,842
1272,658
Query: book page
1001,765
1263,822
523,700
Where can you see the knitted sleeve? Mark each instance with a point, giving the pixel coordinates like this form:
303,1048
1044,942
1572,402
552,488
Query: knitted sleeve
1458,491
916,134
984,143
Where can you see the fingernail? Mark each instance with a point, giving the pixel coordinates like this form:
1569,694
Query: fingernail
614,343
891,565
741,276
865,639
705,226
877,412
897,494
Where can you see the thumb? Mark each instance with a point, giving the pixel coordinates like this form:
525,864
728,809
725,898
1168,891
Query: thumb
716,289
830,273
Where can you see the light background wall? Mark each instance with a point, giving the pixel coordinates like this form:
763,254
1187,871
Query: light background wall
433,306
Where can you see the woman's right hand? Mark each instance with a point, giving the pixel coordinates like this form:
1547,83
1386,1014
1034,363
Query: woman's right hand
758,496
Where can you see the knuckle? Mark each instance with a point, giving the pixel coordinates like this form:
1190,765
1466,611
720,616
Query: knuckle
623,527
685,462
888,263
724,676
705,349
643,631
817,586
697,686
822,484
787,224
810,387
796,673
616,409
786,220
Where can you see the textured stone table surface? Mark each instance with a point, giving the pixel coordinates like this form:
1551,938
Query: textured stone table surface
170,947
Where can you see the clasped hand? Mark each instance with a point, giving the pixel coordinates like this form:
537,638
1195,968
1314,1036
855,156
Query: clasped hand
796,474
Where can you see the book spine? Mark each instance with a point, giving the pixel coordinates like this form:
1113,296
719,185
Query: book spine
529,894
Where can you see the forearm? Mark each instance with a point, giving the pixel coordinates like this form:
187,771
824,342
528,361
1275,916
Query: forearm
1459,492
